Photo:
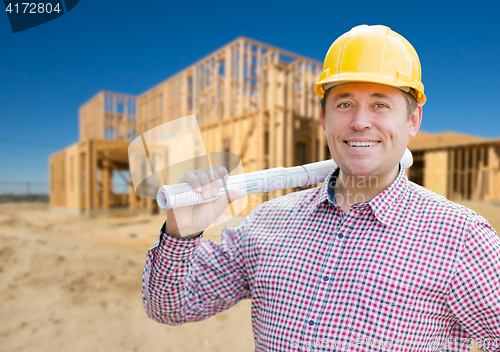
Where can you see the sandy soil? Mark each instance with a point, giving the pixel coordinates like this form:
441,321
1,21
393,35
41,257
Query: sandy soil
73,284
70,284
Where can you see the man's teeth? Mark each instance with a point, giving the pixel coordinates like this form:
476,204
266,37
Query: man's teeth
362,144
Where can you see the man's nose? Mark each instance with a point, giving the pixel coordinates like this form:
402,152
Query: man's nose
361,119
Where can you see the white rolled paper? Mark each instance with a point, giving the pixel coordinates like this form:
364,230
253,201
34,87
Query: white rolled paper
182,194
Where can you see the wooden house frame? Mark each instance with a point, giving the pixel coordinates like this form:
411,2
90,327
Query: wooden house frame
251,99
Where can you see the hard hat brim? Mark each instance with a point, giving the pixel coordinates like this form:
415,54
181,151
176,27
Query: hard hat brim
372,78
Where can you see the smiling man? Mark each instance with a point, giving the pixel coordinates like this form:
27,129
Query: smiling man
367,261
367,126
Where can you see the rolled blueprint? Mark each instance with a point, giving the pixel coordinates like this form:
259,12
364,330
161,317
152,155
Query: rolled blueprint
182,194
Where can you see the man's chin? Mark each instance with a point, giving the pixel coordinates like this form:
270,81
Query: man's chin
367,170
362,169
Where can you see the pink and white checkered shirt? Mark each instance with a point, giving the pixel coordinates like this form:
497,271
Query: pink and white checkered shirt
406,271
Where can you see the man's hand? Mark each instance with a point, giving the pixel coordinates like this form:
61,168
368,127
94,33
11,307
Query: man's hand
190,221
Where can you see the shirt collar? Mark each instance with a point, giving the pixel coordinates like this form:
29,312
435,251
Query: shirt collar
380,204
386,200
321,195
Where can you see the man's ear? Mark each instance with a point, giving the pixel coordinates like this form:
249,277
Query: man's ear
322,120
416,120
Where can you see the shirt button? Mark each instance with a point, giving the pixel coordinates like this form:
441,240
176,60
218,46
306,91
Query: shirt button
311,322
340,235
326,278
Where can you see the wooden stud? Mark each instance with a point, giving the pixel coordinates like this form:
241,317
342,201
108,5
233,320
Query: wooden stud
472,171
272,115
451,172
459,173
89,180
241,62
493,172
289,121
479,182
463,172
106,184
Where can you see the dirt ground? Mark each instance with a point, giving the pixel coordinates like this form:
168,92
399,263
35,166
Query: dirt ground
69,283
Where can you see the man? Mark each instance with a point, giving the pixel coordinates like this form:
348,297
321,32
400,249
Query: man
367,261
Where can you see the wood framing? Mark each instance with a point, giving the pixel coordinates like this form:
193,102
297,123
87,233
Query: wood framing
110,116
460,168
81,177
256,101
250,98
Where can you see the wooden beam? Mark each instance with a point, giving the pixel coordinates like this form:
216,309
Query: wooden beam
81,180
132,198
241,62
466,169
473,173
228,64
89,180
493,170
289,121
451,172
479,186
106,184
460,173
272,115
119,172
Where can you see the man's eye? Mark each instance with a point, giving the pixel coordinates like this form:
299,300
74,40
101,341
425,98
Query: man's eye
380,105
344,105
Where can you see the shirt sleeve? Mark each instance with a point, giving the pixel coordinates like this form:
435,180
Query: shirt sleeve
185,281
474,295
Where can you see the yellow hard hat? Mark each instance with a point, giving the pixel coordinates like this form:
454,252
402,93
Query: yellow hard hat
373,54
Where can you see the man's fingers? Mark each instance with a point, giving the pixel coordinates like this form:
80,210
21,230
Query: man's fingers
193,180
205,183
213,175
223,174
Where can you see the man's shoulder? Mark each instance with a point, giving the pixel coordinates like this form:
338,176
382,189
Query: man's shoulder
430,202
298,200
284,205
264,218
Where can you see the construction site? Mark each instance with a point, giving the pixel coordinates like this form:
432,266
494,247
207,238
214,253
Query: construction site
255,101
72,269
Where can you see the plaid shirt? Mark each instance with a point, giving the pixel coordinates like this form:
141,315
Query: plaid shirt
406,271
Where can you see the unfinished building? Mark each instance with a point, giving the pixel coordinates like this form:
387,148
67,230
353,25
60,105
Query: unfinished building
81,175
250,98
258,102
457,166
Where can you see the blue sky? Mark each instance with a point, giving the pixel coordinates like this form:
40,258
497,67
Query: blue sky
48,72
